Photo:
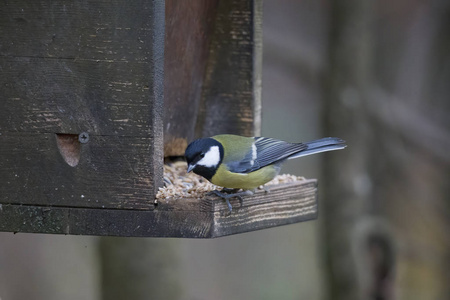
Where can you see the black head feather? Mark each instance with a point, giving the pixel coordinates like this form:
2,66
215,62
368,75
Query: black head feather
196,151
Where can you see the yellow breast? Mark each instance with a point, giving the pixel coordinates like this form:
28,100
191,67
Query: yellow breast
225,178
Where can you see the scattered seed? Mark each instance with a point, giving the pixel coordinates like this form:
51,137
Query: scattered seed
178,183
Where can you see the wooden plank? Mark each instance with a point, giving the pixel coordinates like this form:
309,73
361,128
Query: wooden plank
189,26
213,70
69,67
103,222
68,96
281,192
288,204
189,218
231,94
113,172
257,65
73,67
96,30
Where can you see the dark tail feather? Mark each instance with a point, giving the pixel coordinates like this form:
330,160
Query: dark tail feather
321,145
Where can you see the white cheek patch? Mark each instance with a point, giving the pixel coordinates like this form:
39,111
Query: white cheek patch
211,158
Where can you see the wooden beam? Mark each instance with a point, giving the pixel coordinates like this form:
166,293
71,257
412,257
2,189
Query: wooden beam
189,27
110,173
69,68
231,95
183,217
213,61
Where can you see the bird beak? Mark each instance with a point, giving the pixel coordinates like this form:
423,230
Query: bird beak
190,168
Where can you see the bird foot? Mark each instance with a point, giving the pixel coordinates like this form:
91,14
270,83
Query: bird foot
266,188
227,194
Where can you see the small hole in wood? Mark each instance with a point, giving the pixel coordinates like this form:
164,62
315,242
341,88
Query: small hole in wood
69,147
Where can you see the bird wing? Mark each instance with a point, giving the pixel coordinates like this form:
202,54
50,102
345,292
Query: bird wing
264,152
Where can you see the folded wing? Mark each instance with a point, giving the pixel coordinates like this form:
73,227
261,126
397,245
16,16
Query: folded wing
264,152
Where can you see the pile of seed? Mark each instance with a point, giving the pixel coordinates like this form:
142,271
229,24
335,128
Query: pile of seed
179,183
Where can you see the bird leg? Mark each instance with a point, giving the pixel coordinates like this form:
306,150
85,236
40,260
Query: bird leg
229,191
266,189
227,194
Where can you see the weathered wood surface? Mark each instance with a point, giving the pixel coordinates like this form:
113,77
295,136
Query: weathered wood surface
97,68
212,70
189,27
113,172
42,95
229,101
73,67
185,217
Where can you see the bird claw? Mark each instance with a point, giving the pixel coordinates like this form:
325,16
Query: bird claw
227,196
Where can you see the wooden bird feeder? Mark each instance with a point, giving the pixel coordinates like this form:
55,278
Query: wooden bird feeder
95,94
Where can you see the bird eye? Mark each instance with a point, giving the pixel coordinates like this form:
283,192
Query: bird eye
202,155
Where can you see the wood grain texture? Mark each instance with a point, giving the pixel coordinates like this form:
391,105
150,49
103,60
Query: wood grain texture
184,217
257,65
230,97
88,30
71,67
112,172
213,70
42,95
189,26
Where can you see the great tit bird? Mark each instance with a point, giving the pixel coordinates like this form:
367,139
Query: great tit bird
237,162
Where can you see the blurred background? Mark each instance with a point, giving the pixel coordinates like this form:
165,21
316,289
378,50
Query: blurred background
375,73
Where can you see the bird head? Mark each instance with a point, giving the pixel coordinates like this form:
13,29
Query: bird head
204,156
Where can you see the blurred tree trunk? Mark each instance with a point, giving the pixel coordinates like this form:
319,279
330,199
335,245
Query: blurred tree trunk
353,236
391,180
139,269
414,195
